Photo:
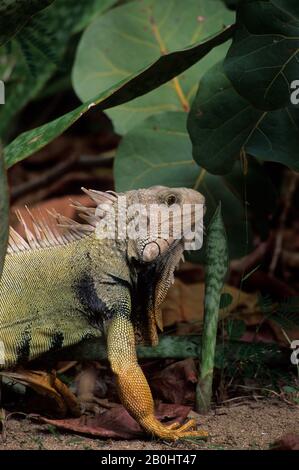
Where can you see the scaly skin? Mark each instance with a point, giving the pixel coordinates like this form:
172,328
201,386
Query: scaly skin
133,388
56,296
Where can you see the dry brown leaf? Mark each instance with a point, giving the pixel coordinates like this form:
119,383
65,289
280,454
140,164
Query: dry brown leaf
185,303
116,422
60,205
287,442
48,385
176,382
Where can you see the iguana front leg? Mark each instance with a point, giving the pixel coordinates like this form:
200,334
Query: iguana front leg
133,388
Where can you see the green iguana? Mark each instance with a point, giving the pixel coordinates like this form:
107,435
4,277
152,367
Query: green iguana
64,283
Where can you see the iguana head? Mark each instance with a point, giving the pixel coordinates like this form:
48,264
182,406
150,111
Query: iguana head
153,226
153,223
162,221
167,221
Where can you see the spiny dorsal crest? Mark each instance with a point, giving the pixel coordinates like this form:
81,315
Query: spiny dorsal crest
61,230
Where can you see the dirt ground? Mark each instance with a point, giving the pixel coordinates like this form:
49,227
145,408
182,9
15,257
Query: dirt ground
248,425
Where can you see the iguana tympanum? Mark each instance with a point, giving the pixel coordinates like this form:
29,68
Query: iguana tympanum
63,285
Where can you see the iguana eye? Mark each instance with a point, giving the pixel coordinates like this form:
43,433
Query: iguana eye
171,199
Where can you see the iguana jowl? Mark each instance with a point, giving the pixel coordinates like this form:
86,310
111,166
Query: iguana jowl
61,287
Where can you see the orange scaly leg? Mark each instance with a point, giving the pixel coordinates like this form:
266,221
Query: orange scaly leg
133,388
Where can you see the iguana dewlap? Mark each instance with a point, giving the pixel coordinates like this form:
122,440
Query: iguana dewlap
65,283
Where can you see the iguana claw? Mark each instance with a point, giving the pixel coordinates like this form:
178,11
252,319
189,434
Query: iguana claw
133,388
173,432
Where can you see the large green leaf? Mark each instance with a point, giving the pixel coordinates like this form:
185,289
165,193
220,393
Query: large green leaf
44,41
158,151
15,13
222,123
159,72
131,36
4,212
261,194
231,3
264,57
276,138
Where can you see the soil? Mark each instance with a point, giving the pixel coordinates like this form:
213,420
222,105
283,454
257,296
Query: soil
247,425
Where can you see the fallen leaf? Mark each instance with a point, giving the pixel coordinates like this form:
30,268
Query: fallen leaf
287,442
176,382
185,303
116,422
60,205
60,398
184,309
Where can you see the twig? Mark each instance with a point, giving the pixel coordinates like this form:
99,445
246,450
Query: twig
44,179
55,173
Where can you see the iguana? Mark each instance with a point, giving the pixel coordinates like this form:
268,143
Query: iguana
64,283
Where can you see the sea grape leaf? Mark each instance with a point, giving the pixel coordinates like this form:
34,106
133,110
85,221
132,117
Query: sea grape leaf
221,123
129,37
263,59
152,76
43,42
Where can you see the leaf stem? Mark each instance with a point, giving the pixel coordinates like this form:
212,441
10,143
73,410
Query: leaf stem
175,81
199,178
181,95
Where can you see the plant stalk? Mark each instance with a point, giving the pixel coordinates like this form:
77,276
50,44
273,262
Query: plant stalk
216,269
